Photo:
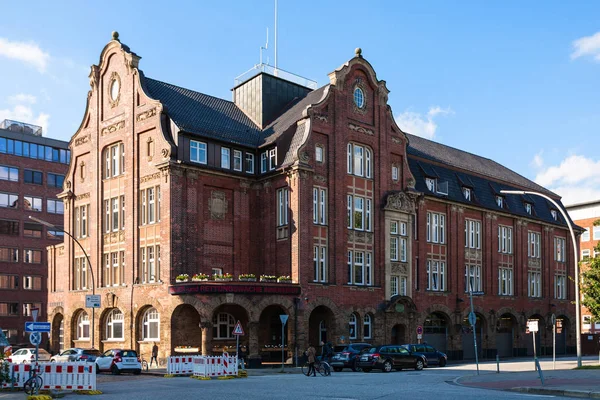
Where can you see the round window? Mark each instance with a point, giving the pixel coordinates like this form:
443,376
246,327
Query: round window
359,98
114,89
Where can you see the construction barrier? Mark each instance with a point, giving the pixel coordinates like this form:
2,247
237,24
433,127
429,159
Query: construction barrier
59,376
178,365
205,366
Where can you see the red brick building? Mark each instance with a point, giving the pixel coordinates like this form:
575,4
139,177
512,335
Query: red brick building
32,171
318,184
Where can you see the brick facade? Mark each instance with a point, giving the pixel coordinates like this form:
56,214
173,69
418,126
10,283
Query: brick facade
213,217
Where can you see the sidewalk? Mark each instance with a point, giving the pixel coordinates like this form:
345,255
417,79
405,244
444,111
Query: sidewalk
251,372
568,382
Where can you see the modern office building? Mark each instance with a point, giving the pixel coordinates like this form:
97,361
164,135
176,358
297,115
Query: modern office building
32,171
380,232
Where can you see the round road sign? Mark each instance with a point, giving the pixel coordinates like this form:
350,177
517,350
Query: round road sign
35,338
419,330
472,318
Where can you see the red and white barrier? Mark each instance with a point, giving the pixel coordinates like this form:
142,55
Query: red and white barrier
178,365
60,376
206,366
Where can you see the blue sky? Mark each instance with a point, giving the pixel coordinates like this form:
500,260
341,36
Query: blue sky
516,82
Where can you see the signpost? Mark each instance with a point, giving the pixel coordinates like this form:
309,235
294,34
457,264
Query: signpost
419,333
35,338
38,327
238,331
473,322
553,341
533,328
283,318
92,301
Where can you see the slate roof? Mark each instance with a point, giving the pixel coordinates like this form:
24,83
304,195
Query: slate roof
434,151
205,115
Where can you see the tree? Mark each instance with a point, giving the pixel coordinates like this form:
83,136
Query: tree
590,286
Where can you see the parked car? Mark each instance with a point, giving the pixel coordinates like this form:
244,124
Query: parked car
433,356
76,354
24,356
119,360
388,357
346,356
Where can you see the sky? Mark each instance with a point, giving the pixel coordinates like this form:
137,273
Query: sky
516,82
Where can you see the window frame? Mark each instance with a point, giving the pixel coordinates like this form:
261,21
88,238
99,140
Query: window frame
198,152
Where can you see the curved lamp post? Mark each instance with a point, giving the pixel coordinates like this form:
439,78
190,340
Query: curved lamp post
52,226
577,307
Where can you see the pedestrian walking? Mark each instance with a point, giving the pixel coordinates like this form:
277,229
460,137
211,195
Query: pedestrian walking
311,353
154,354
241,353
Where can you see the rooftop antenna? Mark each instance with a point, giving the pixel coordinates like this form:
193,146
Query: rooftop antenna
266,47
275,35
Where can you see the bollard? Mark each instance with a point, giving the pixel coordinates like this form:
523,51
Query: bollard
497,364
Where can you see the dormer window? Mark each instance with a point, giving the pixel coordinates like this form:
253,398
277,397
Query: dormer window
528,208
272,159
467,193
430,182
394,173
554,214
500,201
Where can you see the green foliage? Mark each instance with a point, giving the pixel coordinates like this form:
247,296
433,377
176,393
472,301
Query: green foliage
590,286
4,370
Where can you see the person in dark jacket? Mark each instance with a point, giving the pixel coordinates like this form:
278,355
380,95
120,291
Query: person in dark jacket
241,353
326,351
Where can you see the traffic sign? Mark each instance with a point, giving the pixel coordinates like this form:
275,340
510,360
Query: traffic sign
37,327
283,318
472,318
419,330
553,319
35,338
238,330
419,336
92,301
532,325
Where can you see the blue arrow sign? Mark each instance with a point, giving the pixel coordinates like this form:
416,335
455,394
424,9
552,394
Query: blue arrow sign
37,327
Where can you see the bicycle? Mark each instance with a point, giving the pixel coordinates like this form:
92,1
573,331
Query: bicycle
35,381
322,367
144,363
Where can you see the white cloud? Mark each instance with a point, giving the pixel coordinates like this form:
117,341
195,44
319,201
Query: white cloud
25,114
419,124
576,179
22,98
538,160
587,46
29,53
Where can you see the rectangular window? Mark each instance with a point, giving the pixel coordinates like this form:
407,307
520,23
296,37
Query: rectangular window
34,177
394,173
31,229
151,204
319,206
123,212
596,232
534,288
587,322
585,236
107,216
472,234
585,254
436,276
32,282
249,163
33,203
143,208
55,180
9,309
9,200
560,287
359,268
319,154
115,213
282,207
83,222
225,161
394,285
320,264
430,183
559,249
272,159
436,227
505,281
505,239
263,162
8,227
473,278
358,160
359,213
27,307
349,211
467,193
500,201
534,249
9,173
31,256
55,206
9,282
151,264
198,152
9,254
237,160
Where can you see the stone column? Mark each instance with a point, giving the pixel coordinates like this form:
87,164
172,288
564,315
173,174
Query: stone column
206,338
254,358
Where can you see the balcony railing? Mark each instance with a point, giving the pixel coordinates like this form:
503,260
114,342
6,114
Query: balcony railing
21,127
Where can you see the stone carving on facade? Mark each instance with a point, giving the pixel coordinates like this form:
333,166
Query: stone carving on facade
145,115
150,177
453,208
94,74
360,129
83,196
165,152
82,140
114,77
461,210
399,269
411,183
535,263
400,201
320,117
488,215
113,128
217,205
304,156
320,178
473,254
68,184
396,140
61,250
360,237
82,171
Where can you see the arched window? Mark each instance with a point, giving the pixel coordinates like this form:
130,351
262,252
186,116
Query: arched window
360,160
114,325
367,327
352,327
151,325
223,324
83,326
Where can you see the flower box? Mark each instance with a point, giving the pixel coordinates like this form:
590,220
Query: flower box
223,279
199,279
182,280
247,279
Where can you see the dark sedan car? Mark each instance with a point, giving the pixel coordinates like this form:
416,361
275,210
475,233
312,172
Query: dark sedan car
389,357
433,356
347,356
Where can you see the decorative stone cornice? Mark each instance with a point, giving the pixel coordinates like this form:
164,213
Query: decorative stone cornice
113,128
360,129
400,201
320,178
83,196
145,115
150,177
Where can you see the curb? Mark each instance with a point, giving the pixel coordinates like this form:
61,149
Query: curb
558,392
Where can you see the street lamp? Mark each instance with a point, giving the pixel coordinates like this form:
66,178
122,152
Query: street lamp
577,307
49,225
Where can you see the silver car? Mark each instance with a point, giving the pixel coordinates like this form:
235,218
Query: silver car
76,354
